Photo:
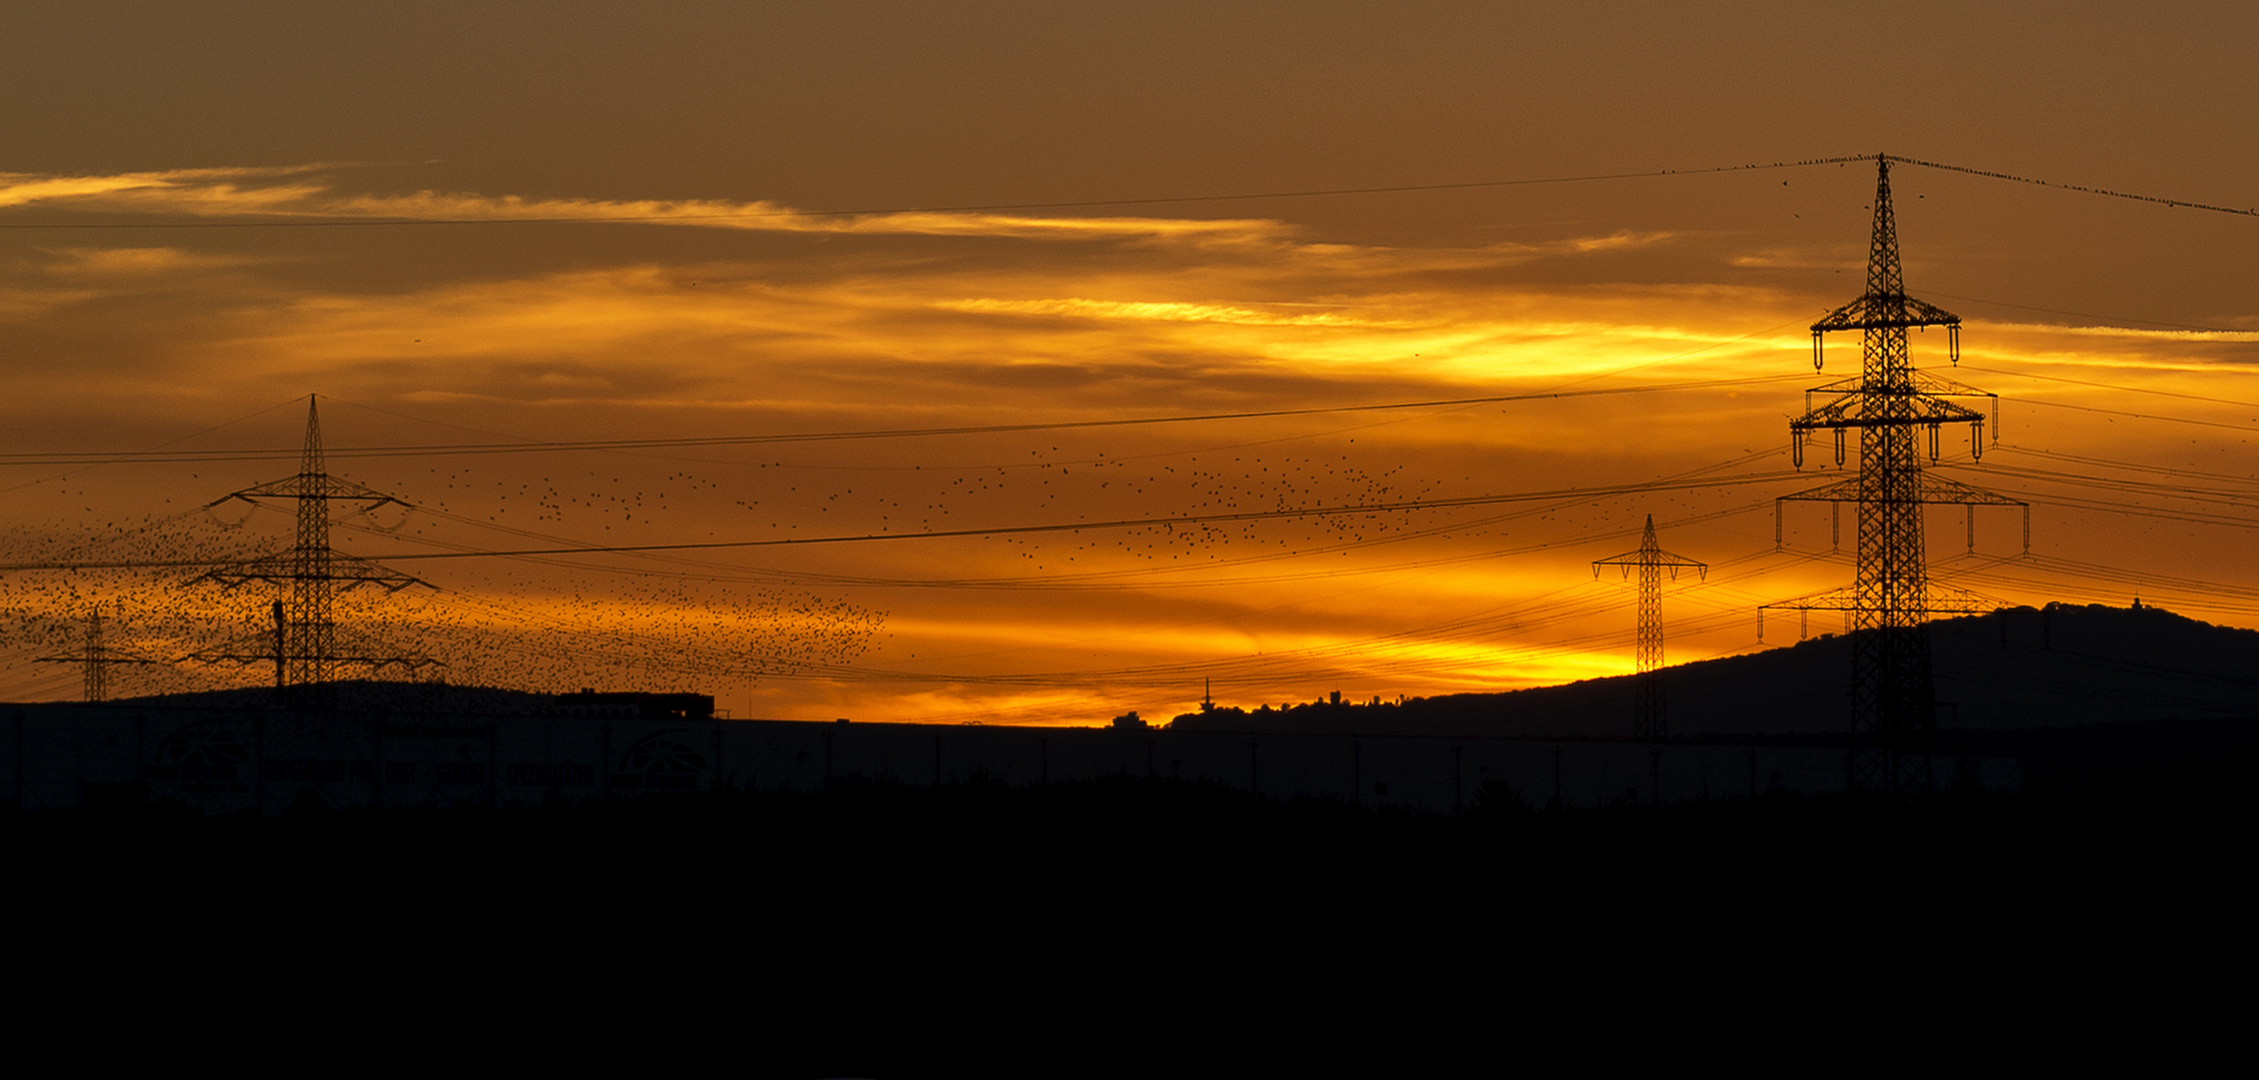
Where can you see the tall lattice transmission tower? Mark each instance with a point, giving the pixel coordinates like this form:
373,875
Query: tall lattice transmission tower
97,656
305,646
1649,717
1892,407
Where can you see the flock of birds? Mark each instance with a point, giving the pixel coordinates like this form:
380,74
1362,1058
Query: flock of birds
649,620
171,627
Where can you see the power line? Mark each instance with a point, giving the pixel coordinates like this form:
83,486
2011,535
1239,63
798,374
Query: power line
1010,530
2161,470
2118,387
1103,579
2090,315
2137,416
534,446
1153,522
2245,497
2197,517
2184,203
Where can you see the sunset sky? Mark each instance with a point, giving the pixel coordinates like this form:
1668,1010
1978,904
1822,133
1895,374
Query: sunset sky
490,227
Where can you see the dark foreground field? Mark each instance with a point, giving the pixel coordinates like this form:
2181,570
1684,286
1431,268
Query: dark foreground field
882,930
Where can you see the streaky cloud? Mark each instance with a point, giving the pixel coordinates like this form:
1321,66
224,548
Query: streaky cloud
217,194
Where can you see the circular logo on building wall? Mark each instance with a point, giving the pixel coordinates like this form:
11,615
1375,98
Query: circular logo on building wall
661,762
203,757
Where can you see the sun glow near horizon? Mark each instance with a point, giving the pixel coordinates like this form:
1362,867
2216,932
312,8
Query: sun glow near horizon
745,317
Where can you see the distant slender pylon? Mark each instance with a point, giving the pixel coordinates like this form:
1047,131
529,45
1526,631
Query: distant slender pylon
1893,710
304,646
97,656
1650,720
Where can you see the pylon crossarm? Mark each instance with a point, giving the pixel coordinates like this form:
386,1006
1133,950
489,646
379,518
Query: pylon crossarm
389,586
1834,414
225,658
1663,560
1951,600
332,488
339,489
258,494
259,649
1937,386
345,571
269,568
1936,600
1873,312
1840,391
1830,600
1932,409
410,663
1925,313
238,654
351,571
1897,410
1940,490
1840,491
1935,490
1676,563
268,657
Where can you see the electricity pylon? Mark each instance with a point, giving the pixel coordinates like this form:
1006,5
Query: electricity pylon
97,656
304,645
1649,721
1893,708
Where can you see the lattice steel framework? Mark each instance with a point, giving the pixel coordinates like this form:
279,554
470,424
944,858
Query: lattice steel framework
1891,405
305,646
97,657
1650,718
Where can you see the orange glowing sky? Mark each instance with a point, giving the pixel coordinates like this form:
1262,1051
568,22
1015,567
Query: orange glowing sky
615,222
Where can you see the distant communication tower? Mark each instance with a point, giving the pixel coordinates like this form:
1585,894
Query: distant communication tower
1893,711
97,656
1649,719
305,647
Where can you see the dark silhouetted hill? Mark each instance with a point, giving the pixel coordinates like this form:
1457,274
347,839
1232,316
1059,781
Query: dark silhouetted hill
2016,669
